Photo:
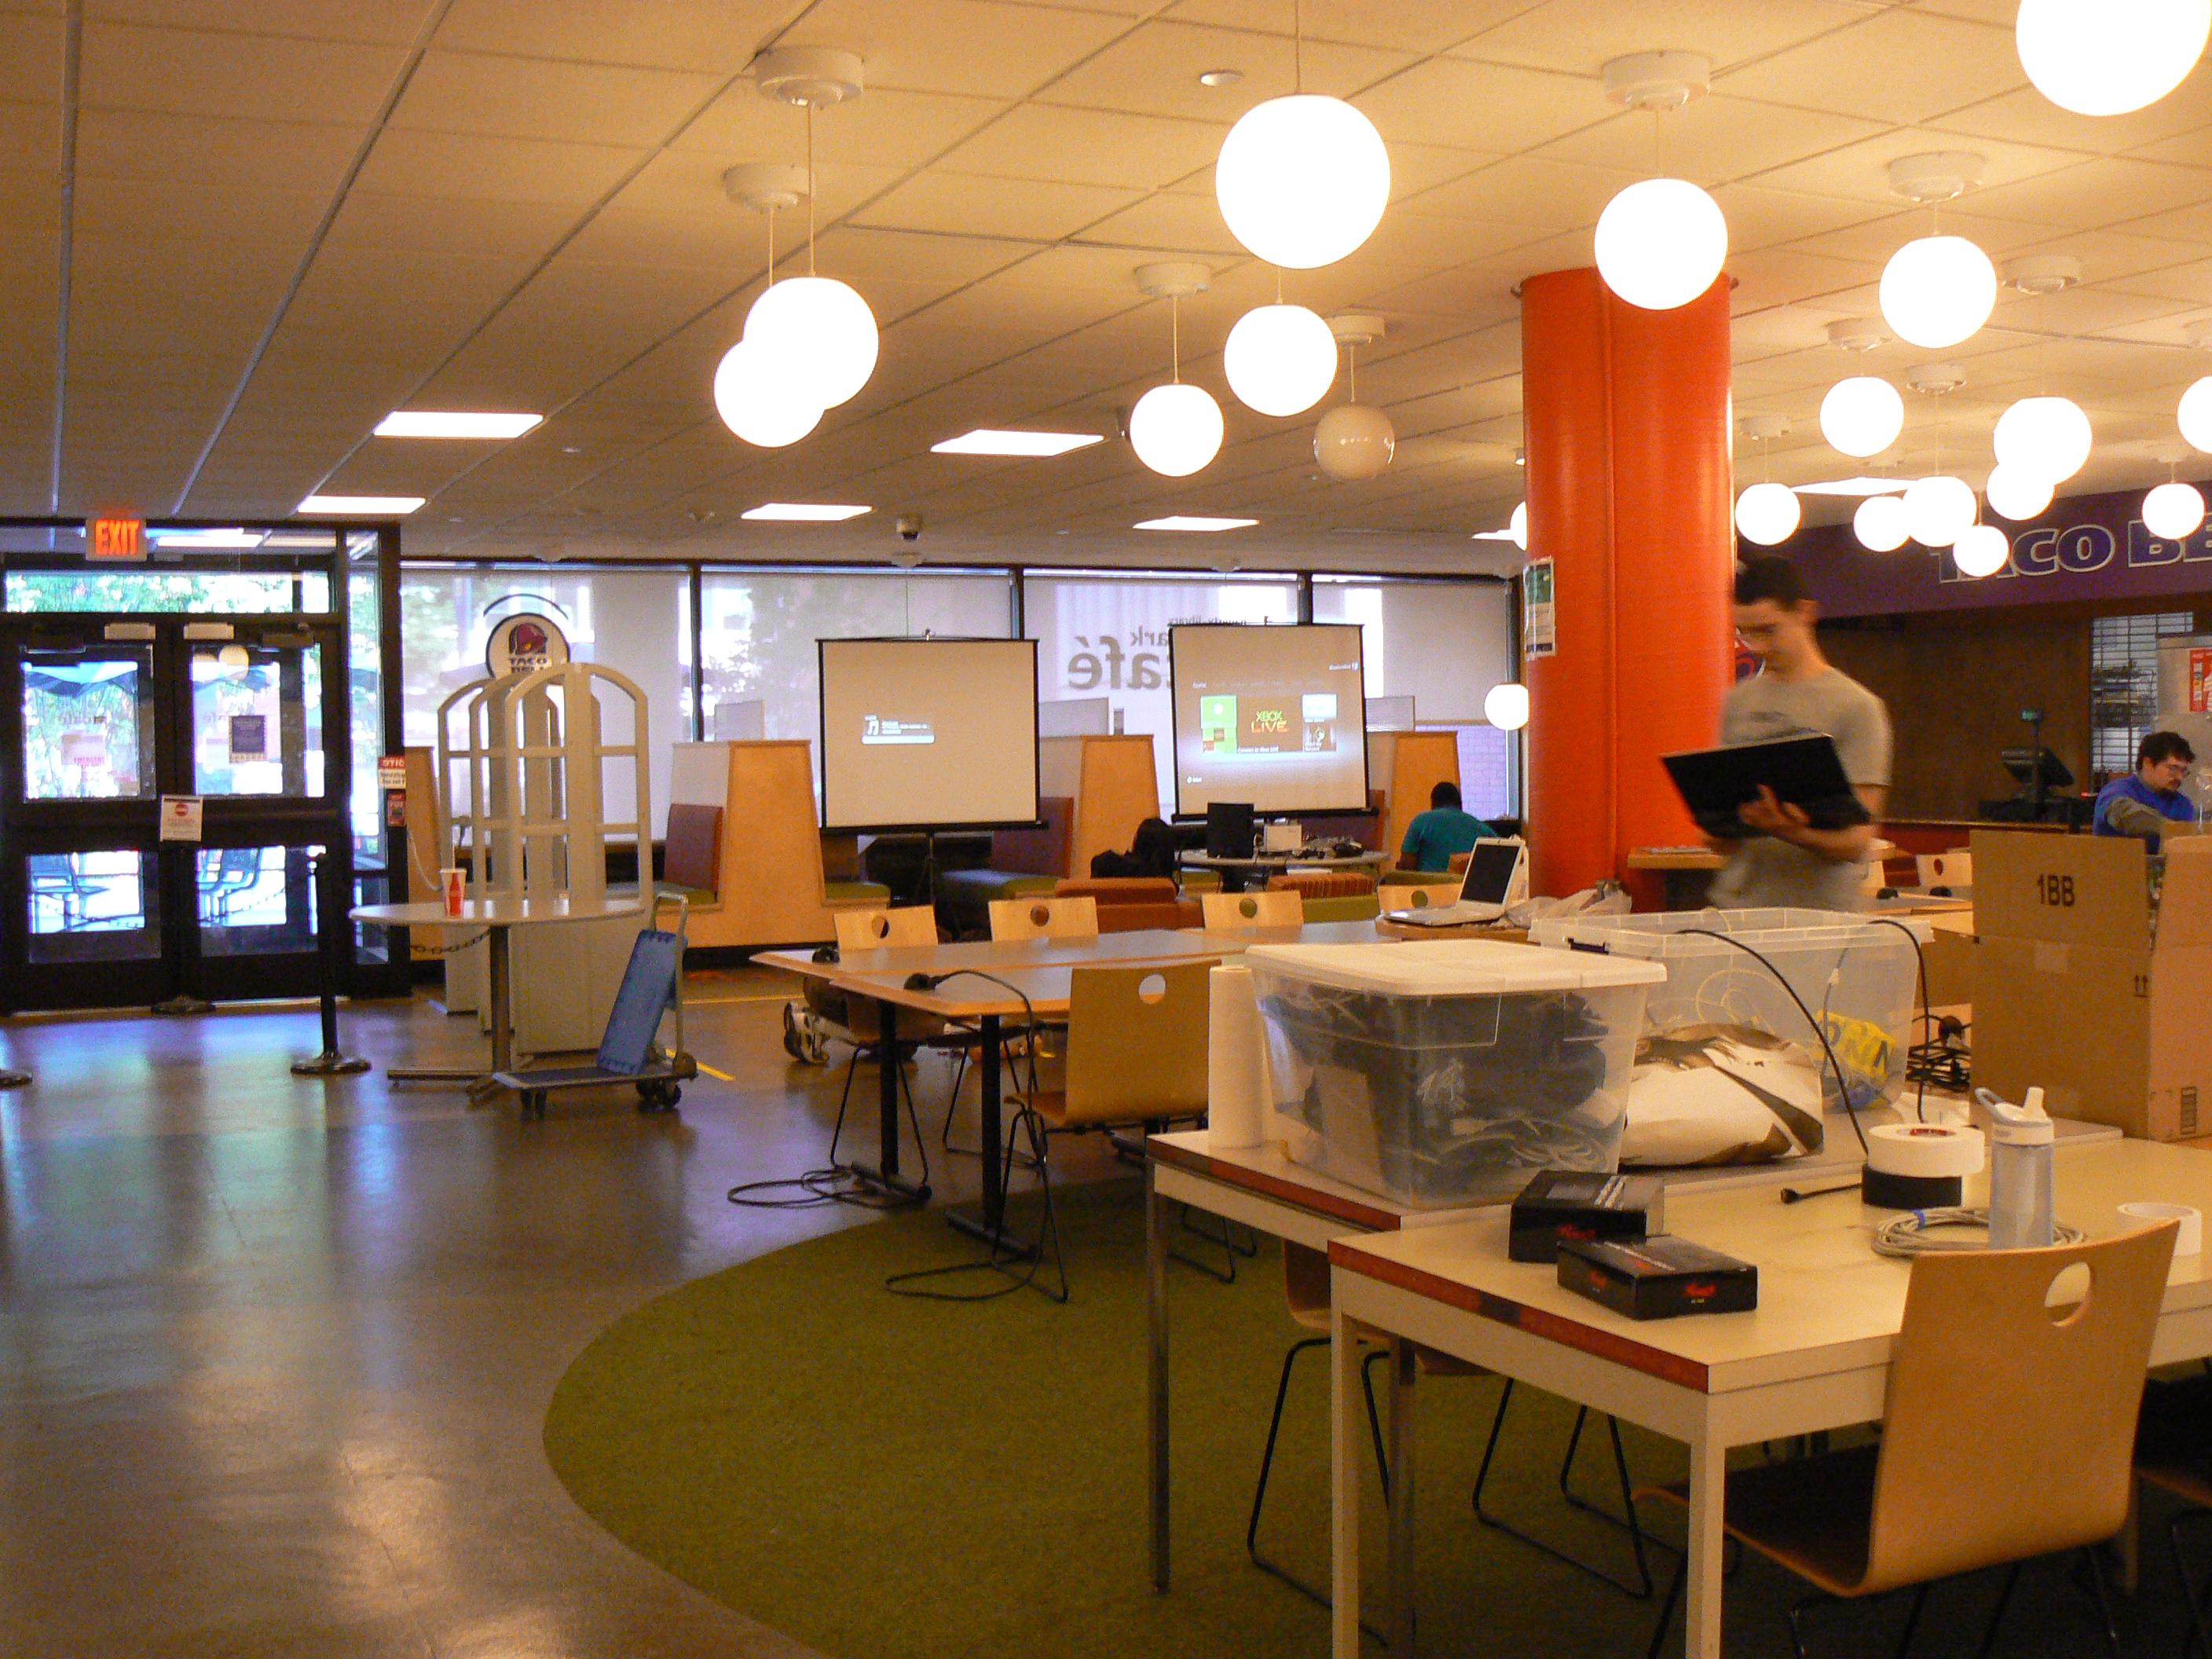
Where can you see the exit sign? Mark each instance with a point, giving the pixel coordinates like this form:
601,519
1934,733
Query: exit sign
115,538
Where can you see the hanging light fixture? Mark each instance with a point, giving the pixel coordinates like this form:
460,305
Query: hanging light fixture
761,407
1661,242
2046,437
1880,524
2173,510
1767,513
1505,706
1862,415
1981,550
1301,179
1517,526
2112,56
1353,442
2016,493
1938,509
1937,290
2194,414
1175,429
1280,359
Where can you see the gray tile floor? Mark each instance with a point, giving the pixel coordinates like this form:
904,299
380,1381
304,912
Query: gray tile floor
275,1354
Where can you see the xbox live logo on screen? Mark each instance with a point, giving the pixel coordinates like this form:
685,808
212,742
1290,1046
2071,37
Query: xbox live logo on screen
523,643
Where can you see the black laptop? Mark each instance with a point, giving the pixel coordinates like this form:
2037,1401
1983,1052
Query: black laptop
1805,771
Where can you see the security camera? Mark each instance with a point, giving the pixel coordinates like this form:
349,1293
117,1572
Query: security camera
909,526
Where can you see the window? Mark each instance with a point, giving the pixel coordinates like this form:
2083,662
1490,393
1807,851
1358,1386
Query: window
1442,644
2124,684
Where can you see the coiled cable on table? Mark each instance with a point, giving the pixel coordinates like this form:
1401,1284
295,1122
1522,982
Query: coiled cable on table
1910,1234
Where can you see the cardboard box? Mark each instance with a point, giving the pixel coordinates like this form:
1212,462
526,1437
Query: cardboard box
2071,991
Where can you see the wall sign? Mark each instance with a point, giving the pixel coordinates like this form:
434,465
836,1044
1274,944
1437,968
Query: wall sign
112,537
181,817
2200,680
524,644
1540,633
249,737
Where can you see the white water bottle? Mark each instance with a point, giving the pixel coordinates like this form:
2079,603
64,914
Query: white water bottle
2020,1176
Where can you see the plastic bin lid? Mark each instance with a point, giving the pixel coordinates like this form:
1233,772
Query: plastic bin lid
1446,967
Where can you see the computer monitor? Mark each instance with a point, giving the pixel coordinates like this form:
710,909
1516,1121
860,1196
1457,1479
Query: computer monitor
1493,871
2021,763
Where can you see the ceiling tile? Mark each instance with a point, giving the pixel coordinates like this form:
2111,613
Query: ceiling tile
715,37
213,150
1089,147
882,129
376,22
2025,116
1169,222
960,204
1898,65
1154,71
1711,140
2098,193
1525,190
1859,171
1485,107
935,47
1578,36
185,72
458,224
1414,26
30,58
574,103
453,164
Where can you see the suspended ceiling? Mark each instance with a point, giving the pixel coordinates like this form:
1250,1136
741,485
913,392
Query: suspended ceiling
291,216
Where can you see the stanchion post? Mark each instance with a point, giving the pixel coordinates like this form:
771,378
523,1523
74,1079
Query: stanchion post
329,931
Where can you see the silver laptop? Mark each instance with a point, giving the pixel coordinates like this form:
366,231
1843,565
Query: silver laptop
1496,878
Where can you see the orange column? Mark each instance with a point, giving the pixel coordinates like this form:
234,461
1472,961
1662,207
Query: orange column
1627,414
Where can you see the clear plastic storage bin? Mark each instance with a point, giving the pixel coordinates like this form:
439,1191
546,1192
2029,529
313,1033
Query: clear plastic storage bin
1443,1072
1857,974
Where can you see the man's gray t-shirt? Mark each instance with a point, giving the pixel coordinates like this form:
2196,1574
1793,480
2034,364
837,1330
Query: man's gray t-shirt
1763,709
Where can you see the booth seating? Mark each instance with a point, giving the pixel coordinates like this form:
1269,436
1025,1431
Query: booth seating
1331,895
1127,904
1024,863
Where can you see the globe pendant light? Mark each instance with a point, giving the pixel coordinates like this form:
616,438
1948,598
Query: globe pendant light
2109,57
758,406
2173,510
1862,415
2195,414
815,334
1175,429
1517,526
1505,706
1938,510
1302,179
2014,494
1767,514
1279,359
2047,437
1938,290
1981,550
1353,442
1661,242
1879,523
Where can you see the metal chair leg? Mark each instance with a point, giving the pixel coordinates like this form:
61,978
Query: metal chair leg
1641,1587
1911,1619
1267,1464
2103,1599
2194,1596
1274,1427
1997,1612
1666,1611
1039,1144
1796,1620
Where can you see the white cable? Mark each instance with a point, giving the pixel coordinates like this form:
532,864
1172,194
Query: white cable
1908,1234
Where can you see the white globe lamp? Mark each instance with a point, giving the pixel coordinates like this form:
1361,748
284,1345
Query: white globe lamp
1981,550
1302,180
1767,514
1937,290
1879,523
1517,526
2112,56
1280,360
1175,429
2195,414
817,334
1862,415
1354,441
1506,706
2014,493
1938,510
2173,511
2047,436
1661,243
759,406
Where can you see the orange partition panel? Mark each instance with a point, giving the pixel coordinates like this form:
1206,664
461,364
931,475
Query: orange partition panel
1627,414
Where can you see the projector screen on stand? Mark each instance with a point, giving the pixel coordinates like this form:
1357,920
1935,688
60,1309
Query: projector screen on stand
928,735
1275,716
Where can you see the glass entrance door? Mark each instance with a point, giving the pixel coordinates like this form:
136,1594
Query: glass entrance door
168,783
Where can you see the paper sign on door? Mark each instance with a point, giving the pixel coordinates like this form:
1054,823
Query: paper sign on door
181,817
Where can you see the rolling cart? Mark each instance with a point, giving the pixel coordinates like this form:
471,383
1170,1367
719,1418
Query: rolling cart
652,986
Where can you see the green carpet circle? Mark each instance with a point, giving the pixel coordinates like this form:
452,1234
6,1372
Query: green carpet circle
889,1478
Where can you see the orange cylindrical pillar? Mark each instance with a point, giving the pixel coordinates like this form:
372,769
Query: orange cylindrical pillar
1626,416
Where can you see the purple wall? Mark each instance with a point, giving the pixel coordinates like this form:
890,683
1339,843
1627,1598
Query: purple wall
2086,547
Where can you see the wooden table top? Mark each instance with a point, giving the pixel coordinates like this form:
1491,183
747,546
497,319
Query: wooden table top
498,912
1827,1302
1150,945
1674,858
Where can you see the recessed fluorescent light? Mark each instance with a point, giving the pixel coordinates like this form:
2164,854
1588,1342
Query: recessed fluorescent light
360,506
1491,536
1858,486
803,512
1189,521
453,423
993,440
209,539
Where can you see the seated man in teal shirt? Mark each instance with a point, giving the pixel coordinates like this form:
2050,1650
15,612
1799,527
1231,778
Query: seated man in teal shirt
1434,836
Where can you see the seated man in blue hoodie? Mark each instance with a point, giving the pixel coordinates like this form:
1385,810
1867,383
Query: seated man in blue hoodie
2148,803
1445,828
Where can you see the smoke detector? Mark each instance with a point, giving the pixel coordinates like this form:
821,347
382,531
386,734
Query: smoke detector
1936,379
1857,334
1936,175
814,78
2041,273
1355,328
1764,426
1657,80
1174,279
766,186
907,557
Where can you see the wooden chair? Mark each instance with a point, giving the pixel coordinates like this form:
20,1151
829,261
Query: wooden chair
1234,911
1136,1059
2008,1433
1419,896
2173,1452
875,930
1044,917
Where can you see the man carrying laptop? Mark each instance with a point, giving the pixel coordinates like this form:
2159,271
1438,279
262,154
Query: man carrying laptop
1798,693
